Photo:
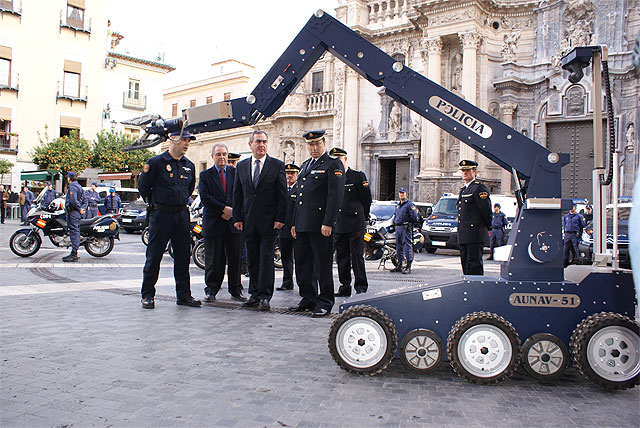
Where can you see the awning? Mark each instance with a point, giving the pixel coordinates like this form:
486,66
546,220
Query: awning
45,175
114,175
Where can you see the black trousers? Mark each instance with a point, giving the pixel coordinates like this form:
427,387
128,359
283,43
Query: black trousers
350,255
471,258
496,240
315,251
286,255
3,212
220,252
165,226
261,267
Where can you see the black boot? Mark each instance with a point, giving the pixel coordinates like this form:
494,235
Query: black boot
73,257
407,269
398,268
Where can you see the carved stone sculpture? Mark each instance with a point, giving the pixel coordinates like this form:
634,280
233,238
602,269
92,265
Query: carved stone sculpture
395,118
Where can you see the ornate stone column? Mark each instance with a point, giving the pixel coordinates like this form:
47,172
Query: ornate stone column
350,128
470,42
506,178
430,138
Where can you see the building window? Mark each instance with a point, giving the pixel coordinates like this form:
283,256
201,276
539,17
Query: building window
192,103
203,166
227,96
71,86
68,124
6,4
5,72
209,100
174,110
317,81
134,133
134,89
5,129
75,15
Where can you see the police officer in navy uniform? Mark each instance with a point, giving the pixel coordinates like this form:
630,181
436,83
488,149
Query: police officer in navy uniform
498,223
405,217
75,205
474,218
166,182
49,195
112,202
349,231
93,197
320,193
572,224
285,239
232,159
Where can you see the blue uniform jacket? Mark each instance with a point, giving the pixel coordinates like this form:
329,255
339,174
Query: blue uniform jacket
573,222
48,197
167,181
93,197
406,212
498,220
75,200
112,203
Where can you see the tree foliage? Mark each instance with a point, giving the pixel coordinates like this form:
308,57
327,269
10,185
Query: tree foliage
5,168
108,154
68,153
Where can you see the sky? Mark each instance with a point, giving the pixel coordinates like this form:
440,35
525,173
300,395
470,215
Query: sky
193,34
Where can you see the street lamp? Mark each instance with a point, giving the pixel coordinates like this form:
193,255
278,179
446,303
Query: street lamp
113,124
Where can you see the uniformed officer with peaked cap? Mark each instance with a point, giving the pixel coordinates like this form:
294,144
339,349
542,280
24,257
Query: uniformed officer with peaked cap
474,218
75,205
166,183
284,234
350,227
232,159
320,192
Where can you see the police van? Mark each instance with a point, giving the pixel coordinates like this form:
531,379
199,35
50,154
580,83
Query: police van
440,229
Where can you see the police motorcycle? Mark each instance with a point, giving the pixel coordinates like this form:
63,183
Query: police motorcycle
97,234
381,234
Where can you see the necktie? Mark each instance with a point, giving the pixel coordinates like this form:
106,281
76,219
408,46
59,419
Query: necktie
256,173
223,181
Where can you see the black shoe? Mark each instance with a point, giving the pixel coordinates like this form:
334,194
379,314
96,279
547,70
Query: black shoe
300,308
320,313
361,291
239,297
73,257
343,292
253,301
264,305
490,258
397,268
189,301
209,298
148,304
283,288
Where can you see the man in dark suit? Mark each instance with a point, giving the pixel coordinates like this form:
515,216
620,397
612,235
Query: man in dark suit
222,241
259,210
349,232
321,188
474,219
286,240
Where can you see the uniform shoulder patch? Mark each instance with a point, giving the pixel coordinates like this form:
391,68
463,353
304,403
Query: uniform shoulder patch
365,184
338,173
414,208
145,168
483,195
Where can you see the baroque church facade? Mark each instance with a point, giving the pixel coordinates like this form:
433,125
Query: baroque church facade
501,55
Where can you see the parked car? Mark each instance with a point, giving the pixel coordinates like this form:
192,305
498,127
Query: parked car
127,195
381,216
134,216
585,244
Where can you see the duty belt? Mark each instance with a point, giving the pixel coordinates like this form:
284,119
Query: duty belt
170,208
566,231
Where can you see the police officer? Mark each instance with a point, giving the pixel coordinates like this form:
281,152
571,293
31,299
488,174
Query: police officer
320,193
404,218
166,182
75,204
572,224
28,200
588,214
284,235
474,218
349,232
112,202
93,197
498,223
233,159
49,195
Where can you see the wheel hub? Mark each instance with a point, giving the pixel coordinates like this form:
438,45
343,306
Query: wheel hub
485,350
422,352
614,353
545,357
361,341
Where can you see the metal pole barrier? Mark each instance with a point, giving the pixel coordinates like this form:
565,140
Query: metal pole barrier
599,204
615,261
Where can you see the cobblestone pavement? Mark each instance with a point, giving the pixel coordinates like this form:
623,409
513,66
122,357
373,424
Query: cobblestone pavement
77,350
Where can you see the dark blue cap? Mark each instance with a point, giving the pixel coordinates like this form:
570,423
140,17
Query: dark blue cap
72,174
185,134
402,189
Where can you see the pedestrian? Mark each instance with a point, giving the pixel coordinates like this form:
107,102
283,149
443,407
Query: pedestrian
259,210
572,225
350,227
3,207
112,203
49,196
474,218
26,199
588,214
498,223
75,205
21,201
93,198
284,235
320,193
222,241
406,215
166,182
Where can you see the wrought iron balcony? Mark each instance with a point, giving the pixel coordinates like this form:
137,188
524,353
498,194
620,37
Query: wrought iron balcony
133,101
8,143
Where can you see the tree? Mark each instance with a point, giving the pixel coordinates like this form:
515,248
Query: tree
5,168
68,153
108,154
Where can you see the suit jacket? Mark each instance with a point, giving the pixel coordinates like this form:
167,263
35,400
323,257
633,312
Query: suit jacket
356,204
321,189
285,232
260,206
474,213
214,199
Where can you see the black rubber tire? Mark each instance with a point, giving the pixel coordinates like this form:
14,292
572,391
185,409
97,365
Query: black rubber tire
197,254
582,336
277,257
145,236
109,247
430,250
489,319
544,357
378,320
412,356
129,230
18,238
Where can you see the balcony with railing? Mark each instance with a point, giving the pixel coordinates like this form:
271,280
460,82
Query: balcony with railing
319,101
134,100
72,94
12,7
74,19
8,143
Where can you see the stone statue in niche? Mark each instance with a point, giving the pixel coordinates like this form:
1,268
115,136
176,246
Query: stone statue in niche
289,153
510,41
395,118
456,77
416,129
631,136
575,102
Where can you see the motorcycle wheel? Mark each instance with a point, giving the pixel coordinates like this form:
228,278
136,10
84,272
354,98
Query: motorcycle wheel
60,241
100,247
198,254
24,245
145,236
277,256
